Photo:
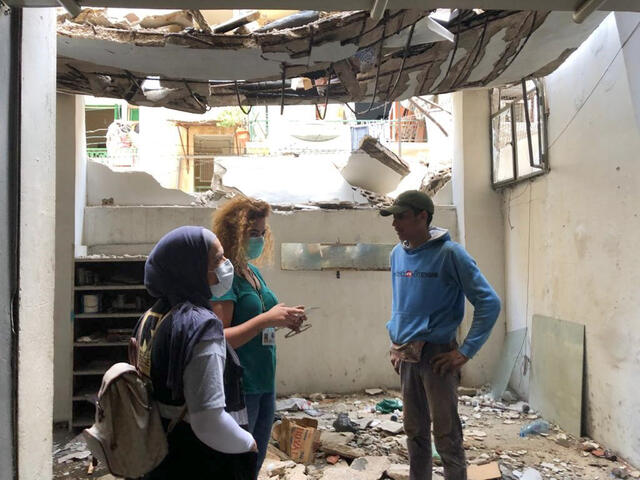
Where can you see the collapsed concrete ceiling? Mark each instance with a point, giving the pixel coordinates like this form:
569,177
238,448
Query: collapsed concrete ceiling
344,5
404,54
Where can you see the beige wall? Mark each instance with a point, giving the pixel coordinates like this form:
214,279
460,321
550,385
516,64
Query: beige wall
346,349
572,236
67,106
480,219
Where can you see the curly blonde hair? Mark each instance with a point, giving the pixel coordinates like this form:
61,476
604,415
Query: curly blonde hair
232,223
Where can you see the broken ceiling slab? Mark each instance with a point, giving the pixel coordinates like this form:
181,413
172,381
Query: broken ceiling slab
377,150
564,5
374,167
364,59
290,180
366,172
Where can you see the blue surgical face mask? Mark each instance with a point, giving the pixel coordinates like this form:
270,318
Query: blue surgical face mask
255,247
224,272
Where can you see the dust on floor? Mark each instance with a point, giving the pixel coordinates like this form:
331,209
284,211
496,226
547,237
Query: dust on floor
491,433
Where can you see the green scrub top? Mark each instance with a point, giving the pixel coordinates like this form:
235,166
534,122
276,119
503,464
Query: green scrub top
257,359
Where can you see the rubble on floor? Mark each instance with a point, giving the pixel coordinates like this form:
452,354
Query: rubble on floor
377,447
374,450
71,457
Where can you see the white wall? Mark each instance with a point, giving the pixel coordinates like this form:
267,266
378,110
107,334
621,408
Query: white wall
129,188
480,220
572,235
37,244
346,349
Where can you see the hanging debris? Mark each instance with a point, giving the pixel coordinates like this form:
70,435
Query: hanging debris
405,53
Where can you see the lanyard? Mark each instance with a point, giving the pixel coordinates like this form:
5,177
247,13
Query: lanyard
257,286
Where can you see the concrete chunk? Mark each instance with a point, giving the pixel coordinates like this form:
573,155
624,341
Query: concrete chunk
337,444
398,472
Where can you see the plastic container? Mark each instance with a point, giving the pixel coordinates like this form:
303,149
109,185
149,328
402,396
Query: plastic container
535,428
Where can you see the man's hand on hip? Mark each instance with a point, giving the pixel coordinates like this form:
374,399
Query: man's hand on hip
444,363
395,362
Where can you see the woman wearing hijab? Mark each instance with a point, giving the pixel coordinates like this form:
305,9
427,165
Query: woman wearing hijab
250,311
182,349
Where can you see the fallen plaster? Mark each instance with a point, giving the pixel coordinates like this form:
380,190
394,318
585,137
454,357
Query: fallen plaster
198,69
106,187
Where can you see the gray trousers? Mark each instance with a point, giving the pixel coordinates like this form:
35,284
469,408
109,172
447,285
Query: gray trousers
429,397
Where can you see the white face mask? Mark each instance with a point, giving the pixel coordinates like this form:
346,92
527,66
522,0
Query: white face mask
224,272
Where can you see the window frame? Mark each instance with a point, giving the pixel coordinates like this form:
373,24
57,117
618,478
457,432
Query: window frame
543,166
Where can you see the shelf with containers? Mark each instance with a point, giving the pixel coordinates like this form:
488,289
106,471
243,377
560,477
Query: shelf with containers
109,298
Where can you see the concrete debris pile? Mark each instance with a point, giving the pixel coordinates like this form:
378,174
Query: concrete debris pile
76,449
375,446
434,183
72,459
212,198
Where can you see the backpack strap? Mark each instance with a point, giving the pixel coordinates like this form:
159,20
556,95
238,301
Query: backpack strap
178,419
140,346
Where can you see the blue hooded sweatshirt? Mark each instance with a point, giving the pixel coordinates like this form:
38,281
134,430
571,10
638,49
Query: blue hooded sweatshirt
430,283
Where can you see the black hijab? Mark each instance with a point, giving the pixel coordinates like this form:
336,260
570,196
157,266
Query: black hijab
176,271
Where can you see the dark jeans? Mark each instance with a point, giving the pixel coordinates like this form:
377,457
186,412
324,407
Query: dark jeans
189,458
429,397
261,409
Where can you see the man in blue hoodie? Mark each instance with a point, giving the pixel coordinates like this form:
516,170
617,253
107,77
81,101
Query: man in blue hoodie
431,275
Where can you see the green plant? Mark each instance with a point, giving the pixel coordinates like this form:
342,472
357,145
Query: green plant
231,117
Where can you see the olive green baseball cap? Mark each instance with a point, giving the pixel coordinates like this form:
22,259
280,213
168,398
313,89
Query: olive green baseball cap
411,199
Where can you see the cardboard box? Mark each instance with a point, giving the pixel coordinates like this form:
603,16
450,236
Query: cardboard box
298,438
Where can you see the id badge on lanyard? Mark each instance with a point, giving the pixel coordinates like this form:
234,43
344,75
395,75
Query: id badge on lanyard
269,336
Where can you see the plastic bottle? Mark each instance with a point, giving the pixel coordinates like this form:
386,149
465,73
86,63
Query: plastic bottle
537,427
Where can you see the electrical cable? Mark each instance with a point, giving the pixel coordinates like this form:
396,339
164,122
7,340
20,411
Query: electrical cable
238,99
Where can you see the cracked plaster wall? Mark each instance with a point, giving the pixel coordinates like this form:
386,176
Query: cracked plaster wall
37,244
572,235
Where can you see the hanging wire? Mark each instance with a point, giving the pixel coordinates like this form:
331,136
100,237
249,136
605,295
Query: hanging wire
326,96
238,99
526,40
453,54
206,107
404,59
475,58
375,85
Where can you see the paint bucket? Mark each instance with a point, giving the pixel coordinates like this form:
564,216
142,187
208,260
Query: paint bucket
91,303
